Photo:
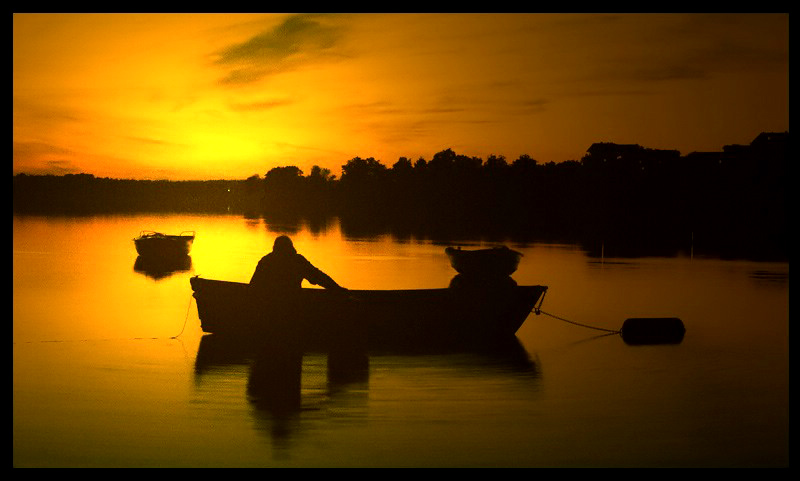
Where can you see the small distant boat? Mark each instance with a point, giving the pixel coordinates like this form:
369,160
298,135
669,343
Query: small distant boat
493,262
155,244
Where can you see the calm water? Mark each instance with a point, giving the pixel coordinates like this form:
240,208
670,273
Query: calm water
100,379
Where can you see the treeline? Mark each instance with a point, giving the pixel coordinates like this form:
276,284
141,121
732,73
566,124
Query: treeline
77,194
616,195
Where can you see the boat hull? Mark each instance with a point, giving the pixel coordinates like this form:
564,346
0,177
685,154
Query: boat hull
155,245
375,317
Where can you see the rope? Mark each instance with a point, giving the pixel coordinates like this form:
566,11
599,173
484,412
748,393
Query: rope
185,319
538,311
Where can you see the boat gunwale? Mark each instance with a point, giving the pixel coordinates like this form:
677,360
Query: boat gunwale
423,315
153,235
438,290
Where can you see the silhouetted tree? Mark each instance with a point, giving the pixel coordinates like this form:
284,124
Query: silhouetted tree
284,189
615,193
362,170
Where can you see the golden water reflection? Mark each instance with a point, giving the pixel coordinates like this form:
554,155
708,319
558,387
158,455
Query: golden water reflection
100,380
160,268
291,392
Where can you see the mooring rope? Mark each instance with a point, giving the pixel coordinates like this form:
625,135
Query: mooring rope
185,321
538,310
186,318
615,331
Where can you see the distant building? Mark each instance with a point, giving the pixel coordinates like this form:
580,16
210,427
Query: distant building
628,157
766,153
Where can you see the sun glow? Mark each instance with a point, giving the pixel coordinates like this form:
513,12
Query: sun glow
188,96
207,145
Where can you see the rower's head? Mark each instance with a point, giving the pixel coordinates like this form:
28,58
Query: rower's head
283,245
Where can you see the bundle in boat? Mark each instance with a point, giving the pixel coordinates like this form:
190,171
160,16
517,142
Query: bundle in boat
487,263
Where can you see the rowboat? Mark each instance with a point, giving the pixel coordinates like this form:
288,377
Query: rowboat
156,244
495,261
464,311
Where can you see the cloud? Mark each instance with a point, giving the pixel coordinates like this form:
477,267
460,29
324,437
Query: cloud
644,53
259,106
148,141
298,40
42,158
28,149
60,167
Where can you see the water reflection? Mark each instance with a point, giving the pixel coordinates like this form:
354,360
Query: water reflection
718,399
280,375
274,388
769,277
160,268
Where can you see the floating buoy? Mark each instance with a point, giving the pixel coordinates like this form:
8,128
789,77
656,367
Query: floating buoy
653,330
641,330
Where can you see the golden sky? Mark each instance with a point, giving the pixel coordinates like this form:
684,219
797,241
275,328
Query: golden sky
226,96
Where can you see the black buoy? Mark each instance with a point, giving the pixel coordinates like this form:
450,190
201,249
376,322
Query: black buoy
653,330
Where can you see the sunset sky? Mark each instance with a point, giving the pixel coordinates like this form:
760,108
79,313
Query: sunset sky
226,96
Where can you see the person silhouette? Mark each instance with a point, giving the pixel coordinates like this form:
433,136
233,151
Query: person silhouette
282,271
288,320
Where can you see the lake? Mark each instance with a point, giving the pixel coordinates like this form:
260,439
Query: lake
106,370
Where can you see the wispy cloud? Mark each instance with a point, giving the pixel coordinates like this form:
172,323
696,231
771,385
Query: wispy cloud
260,105
299,39
59,167
148,141
56,159
641,53
23,149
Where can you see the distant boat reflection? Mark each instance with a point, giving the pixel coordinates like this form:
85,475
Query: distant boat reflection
159,268
279,375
